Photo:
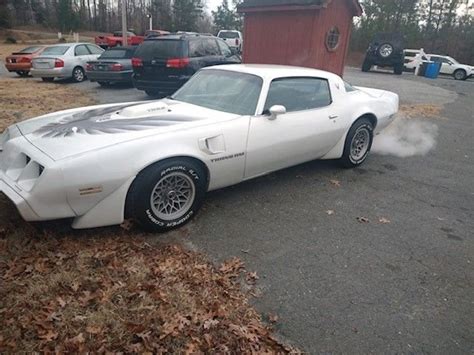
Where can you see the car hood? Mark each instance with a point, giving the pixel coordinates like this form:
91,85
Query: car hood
67,133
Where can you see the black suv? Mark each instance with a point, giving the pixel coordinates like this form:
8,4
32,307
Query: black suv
162,65
386,50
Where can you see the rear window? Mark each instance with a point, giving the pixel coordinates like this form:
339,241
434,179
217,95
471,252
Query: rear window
29,50
117,54
55,50
160,49
228,34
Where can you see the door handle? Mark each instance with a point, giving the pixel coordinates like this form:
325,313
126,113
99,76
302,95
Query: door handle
332,117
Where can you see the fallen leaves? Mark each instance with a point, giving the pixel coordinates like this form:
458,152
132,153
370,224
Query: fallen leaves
335,183
384,220
363,220
121,294
330,212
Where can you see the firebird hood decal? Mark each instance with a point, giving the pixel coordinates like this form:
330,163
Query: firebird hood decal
108,121
67,133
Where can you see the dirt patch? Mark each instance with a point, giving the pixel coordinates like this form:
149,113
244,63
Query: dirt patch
25,98
421,111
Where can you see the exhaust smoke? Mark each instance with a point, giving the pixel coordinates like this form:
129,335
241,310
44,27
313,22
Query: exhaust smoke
405,138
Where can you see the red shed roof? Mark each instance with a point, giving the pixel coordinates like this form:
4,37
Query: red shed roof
288,5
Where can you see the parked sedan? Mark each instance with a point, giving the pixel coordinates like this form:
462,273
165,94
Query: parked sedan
67,60
113,66
155,161
20,62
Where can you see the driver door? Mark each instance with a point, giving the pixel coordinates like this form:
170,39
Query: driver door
310,127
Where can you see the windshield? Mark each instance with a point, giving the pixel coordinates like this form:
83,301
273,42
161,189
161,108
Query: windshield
222,90
56,50
228,34
453,60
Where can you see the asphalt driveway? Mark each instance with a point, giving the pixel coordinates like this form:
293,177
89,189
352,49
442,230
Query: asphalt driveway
343,285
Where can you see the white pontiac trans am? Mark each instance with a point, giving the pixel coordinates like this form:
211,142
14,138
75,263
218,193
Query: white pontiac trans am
154,161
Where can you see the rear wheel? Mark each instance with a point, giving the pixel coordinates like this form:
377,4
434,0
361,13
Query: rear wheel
398,69
78,75
167,194
366,66
23,73
460,74
48,80
358,143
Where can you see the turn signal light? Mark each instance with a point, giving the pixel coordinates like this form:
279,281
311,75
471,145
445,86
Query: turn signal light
89,67
58,63
25,60
137,62
177,63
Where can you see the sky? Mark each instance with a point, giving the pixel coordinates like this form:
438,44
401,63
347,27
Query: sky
212,5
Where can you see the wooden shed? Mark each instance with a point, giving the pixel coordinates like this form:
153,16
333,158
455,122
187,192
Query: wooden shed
308,33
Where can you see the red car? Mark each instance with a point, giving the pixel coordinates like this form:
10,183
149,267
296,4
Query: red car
20,62
116,39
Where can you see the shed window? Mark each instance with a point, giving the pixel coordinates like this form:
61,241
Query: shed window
332,38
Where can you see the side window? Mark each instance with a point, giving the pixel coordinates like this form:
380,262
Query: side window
94,49
81,50
210,47
298,94
195,49
435,59
446,61
225,50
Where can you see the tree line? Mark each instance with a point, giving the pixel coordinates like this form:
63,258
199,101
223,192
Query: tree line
438,26
105,15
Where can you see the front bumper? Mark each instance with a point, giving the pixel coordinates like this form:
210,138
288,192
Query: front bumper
23,207
125,76
51,73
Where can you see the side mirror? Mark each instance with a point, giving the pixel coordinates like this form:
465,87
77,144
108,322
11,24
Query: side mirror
276,110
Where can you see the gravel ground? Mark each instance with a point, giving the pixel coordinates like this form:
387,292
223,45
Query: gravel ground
342,286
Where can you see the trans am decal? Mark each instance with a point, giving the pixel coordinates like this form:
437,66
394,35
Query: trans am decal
104,121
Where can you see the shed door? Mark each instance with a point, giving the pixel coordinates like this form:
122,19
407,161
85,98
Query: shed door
308,130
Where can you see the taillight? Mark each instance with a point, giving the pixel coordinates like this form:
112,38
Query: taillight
89,67
58,63
237,41
137,62
177,63
25,60
117,67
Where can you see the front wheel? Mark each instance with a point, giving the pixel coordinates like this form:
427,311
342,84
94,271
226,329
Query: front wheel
460,74
366,66
167,195
78,75
358,143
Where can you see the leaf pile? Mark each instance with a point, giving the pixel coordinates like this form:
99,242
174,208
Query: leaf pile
119,293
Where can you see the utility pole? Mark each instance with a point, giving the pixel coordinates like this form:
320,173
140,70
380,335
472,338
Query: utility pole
124,24
151,20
